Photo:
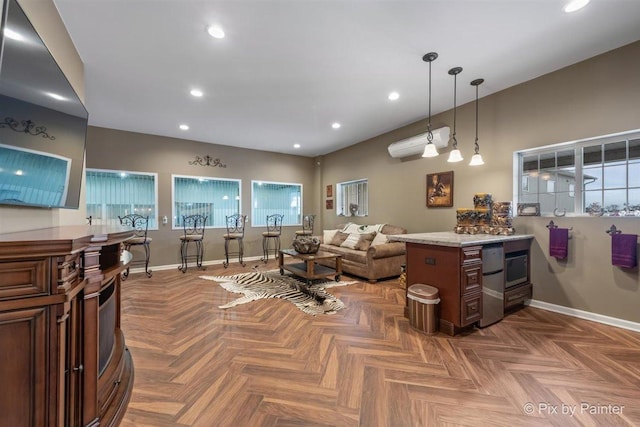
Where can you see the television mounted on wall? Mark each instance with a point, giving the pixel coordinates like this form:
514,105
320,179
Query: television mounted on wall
43,123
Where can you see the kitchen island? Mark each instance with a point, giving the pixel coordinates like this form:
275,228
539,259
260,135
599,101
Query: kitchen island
453,263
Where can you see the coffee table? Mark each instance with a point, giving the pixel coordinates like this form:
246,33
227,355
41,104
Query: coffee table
308,269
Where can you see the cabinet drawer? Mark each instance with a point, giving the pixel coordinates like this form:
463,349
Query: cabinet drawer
24,278
472,254
517,295
470,308
68,270
471,279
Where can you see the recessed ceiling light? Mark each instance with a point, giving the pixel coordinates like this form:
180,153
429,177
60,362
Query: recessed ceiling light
296,145
393,96
336,125
215,31
574,5
196,92
184,127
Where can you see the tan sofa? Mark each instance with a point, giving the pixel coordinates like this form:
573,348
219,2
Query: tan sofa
379,261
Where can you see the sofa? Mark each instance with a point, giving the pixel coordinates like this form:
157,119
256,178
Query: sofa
365,250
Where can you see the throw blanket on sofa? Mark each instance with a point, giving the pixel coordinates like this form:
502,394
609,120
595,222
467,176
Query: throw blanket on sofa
363,229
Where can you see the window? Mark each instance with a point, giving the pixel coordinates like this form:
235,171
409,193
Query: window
598,176
117,193
268,198
214,197
352,198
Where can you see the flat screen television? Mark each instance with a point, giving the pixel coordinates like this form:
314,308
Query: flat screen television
43,123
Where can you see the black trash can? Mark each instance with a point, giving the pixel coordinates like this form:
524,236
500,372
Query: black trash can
423,303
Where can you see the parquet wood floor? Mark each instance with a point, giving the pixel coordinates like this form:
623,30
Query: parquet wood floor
268,364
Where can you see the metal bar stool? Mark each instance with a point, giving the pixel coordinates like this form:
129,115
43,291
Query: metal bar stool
193,232
235,231
307,226
140,225
274,228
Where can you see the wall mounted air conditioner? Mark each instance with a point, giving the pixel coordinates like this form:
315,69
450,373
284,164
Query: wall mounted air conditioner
415,144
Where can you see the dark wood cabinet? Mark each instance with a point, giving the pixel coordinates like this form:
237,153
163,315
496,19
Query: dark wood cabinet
63,360
457,273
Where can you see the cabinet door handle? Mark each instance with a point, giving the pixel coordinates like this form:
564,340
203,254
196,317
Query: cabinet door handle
79,368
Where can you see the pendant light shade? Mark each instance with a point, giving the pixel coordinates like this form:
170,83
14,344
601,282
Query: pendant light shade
476,159
455,155
430,149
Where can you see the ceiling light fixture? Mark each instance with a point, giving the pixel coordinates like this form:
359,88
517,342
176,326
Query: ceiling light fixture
184,127
430,149
336,125
476,160
296,145
215,31
455,155
196,92
575,5
393,96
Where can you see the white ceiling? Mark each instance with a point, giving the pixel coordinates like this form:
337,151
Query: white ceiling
288,69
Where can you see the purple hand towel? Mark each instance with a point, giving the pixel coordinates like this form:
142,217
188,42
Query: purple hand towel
624,250
558,242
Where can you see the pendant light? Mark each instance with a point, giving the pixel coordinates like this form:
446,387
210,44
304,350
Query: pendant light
476,160
455,155
430,149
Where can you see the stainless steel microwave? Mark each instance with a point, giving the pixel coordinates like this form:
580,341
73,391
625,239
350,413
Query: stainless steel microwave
516,269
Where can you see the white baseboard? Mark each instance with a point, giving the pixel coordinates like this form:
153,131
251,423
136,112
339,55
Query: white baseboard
581,314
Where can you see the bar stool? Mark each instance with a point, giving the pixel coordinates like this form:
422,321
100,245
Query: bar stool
274,228
235,231
193,226
140,225
307,226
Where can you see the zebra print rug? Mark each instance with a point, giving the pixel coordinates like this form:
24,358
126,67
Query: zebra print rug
311,299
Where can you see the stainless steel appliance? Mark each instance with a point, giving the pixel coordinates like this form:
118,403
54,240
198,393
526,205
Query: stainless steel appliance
492,284
516,269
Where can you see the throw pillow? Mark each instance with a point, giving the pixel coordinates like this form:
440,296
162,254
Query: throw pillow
357,241
328,235
339,238
379,239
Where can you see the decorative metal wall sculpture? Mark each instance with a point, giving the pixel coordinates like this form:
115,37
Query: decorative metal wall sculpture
27,127
207,161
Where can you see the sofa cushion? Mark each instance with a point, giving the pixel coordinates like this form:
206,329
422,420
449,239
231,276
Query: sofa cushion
380,239
338,238
328,235
358,241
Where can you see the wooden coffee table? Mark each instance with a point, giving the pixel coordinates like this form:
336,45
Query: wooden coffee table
308,269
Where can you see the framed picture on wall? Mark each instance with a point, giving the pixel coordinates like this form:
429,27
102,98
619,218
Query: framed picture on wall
329,203
440,189
330,190
528,209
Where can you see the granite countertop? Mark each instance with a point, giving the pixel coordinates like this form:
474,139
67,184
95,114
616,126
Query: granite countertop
449,238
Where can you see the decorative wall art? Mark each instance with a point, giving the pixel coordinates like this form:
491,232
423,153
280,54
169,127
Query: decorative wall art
528,209
440,189
330,190
329,203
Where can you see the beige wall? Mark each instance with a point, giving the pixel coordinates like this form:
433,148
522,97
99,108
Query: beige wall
46,20
120,150
596,97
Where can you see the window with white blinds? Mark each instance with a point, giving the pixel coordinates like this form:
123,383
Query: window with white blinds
352,198
117,193
268,198
216,198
